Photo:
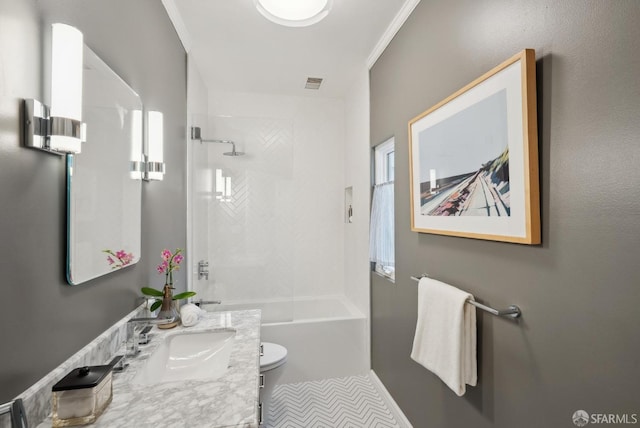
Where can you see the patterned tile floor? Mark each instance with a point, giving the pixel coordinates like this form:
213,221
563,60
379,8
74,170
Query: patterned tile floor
350,402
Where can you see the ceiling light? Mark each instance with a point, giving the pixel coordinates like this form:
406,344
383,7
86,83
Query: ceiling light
294,13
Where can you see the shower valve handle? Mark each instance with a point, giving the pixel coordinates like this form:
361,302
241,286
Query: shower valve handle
203,270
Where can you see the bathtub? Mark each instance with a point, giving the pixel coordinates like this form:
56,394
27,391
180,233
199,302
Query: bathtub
325,336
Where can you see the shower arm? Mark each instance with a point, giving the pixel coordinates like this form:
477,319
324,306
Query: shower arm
195,135
233,145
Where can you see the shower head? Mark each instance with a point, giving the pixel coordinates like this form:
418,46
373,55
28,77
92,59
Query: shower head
233,153
195,135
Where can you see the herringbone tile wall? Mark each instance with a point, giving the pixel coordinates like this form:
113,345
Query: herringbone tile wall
281,232
250,234
350,402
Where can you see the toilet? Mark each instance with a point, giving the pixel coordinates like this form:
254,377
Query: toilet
271,367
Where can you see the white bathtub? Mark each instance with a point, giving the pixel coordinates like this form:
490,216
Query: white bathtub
325,336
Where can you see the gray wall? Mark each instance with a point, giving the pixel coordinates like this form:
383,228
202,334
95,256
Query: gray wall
43,320
577,345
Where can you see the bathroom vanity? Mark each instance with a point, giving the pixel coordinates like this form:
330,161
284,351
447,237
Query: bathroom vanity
229,400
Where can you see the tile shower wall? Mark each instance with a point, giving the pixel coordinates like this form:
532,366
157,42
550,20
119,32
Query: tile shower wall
250,230
279,233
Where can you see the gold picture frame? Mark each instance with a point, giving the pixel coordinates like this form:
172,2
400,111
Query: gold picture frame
474,158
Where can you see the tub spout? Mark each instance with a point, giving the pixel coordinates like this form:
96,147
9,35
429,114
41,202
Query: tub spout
200,303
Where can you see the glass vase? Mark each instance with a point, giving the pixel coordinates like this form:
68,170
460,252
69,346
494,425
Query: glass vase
168,309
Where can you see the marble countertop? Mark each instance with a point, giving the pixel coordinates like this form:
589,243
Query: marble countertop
229,401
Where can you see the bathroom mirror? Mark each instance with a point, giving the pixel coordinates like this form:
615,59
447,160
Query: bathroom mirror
103,191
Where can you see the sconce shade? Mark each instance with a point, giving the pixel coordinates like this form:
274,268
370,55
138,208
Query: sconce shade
66,88
58,128
137,163
223,186
155,167
227,189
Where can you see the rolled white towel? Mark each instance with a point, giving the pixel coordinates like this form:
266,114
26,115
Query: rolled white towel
190,314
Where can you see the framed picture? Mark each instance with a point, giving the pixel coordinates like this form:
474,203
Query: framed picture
474,158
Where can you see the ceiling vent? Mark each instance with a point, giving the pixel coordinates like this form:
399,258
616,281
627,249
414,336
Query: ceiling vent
313,83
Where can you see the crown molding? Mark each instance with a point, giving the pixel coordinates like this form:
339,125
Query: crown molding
395,25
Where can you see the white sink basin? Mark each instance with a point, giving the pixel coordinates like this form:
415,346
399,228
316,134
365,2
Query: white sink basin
184,356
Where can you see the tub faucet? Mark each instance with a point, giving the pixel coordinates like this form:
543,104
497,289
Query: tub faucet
132,338
200,303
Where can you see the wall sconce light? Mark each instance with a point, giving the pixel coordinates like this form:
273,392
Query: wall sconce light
153,155
223,187
59,129
137,162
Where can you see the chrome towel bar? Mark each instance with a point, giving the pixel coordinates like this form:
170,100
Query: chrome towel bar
512,311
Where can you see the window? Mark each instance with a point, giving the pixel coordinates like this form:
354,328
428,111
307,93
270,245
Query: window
381,234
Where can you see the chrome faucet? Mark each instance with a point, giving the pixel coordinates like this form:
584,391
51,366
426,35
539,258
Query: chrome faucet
132,338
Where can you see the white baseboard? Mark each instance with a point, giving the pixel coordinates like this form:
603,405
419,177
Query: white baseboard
389,401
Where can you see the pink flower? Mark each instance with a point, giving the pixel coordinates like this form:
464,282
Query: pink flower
170,262
118,259
126,259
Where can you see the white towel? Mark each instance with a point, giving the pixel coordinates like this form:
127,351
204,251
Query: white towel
445,339
190,314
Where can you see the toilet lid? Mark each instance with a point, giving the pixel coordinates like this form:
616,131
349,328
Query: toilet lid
274,356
